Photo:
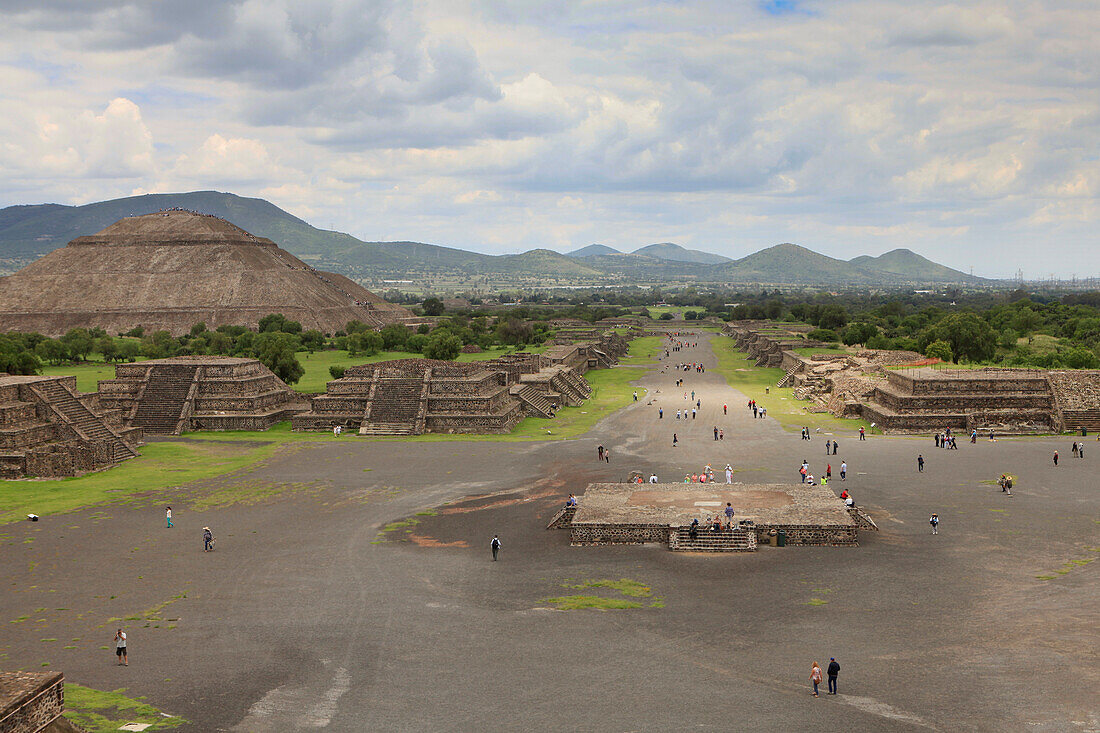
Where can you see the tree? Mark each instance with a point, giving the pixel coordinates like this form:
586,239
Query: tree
365,342
78,342
859,333
666,316
442,345
356,326
313,340
129,350
50,350
970,337
823,334
337,371
938,350
277,351
434,306
1080,358
107,347
690,315
832,316
394,336
416,343
514,331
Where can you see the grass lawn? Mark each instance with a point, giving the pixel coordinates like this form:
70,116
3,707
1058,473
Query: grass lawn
676,310
644,349
97,711
752,381
811,352
160,465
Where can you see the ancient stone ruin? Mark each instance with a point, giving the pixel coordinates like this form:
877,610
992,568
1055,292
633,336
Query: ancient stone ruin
173,269
169,396
900,393
47,428
33,702
414,396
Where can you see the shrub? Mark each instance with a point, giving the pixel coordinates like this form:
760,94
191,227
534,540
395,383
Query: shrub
336,371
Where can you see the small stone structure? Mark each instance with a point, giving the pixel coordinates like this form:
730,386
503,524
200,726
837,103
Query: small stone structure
640,513
414,396
169,396
899,393
33,702
48,428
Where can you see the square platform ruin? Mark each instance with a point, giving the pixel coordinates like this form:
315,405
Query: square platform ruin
638,513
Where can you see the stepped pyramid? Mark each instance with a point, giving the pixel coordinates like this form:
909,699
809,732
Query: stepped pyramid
172,269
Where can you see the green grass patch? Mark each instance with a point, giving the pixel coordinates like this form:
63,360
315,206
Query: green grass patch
758,383
598,603
643,350
626,586
1069,566
816,602
99,712
160,465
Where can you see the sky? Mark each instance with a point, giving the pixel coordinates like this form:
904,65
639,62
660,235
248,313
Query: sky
969,133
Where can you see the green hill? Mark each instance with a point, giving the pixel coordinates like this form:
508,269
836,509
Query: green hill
913,267
592,250
794,265
676,253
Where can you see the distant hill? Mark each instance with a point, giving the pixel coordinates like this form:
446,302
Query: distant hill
791,264
593,250
28,232
912,266
676,253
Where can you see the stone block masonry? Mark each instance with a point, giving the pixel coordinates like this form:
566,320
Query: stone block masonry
30,701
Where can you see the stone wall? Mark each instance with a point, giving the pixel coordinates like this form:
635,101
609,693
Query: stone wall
30,701
608,534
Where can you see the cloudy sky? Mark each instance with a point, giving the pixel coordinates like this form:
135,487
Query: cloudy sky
967,132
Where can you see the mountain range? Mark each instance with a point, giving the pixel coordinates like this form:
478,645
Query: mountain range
27,232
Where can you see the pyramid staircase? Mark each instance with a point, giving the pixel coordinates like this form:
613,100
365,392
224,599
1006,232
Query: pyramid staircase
707,540
160,409
82,420
395,407
533,400
787,377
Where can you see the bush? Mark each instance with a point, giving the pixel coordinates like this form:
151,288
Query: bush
394,337
665,317
337,372
442,345
938,350
433,307
416,343
823,334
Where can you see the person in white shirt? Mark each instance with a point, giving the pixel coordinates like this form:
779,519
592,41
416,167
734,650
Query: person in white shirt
653,478
120,648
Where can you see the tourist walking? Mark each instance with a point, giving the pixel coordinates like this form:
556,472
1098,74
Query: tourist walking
920,463
725,408
599,453
607,455
1055,458
494,545
862,434
1073,450
729,513
815,677
934,520
843,470
833,670
729,474
168,516
836,446
660,413
675,440
207,539
120,648
715,432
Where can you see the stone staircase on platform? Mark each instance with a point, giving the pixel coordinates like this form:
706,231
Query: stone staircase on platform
83,420
533,400
564,518
395,407
787,377
164,399
1076,420
742,539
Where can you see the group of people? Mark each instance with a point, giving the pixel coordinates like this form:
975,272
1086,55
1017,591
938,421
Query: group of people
757,410
718,523
833,671
808,478
947,440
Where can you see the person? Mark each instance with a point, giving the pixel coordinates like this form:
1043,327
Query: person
934,520
693,413
677,414
725,408
571,501
824,480
660,413
715,432
833,671
810,479
168,516
729,474
802,472
675,440
207,539
862,434
828,470
844,494
495,547
693,530
920,463
849,502
721,433
729,512
635,395
1055,458
652,478
843,470
120,648
1073,450
937,439
836,446
828,446
607,455
815,677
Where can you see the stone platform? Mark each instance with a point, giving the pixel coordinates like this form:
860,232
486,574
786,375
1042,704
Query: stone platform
637,513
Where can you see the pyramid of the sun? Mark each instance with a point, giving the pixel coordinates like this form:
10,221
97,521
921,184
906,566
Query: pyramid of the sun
173,269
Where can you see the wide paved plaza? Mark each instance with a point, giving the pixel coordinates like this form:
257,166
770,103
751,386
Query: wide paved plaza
367,600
